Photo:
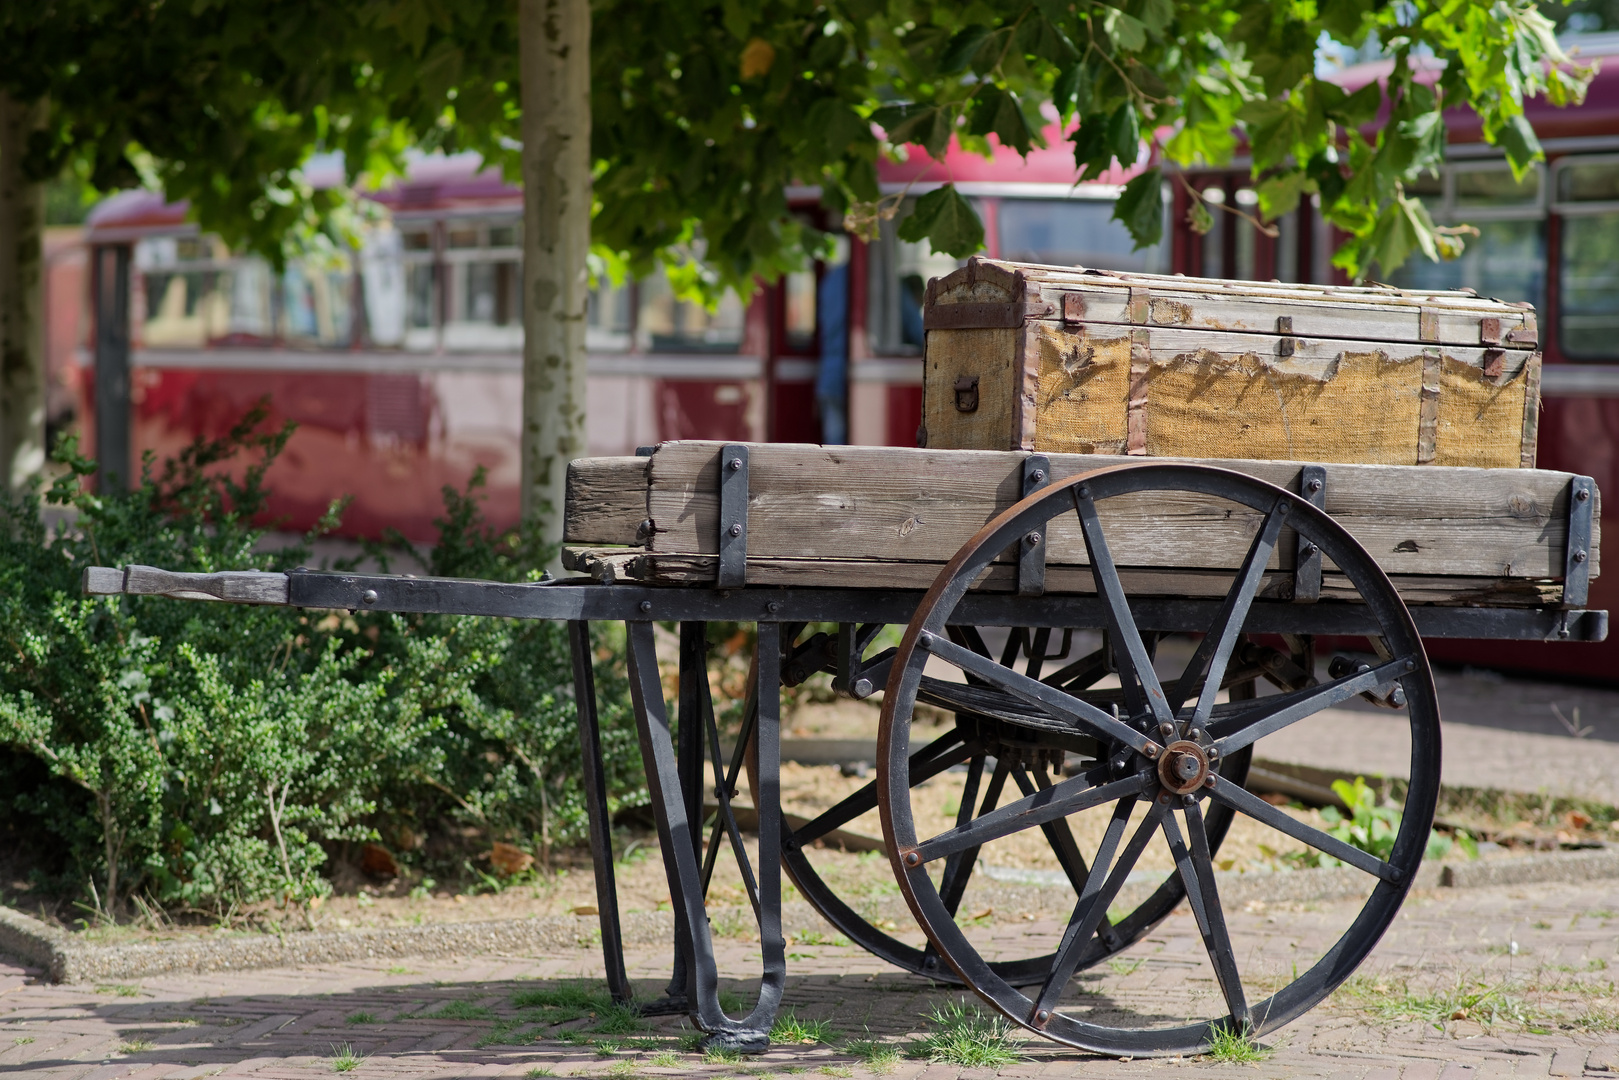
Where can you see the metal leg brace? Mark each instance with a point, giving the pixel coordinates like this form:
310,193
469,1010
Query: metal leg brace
673,805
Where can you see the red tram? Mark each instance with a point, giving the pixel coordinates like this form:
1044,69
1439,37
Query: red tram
401,361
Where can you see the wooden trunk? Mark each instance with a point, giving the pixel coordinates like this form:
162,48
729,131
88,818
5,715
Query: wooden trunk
890,517
1023,357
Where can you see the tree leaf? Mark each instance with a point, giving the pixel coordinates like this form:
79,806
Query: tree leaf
1124,134
1093,152
958,55
1141,207
1521,144
947,221
1127,32
1071,92
1279,194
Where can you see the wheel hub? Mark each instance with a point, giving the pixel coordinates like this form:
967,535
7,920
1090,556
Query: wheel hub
1183,766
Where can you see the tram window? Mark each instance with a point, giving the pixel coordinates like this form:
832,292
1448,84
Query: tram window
608,317
1588,182
1506,260
1071,232
665,324
896,284
1588,321
417,239
798,298
193,294
1493,188
484,279
316,307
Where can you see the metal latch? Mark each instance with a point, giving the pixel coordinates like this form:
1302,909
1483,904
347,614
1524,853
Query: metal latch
967,393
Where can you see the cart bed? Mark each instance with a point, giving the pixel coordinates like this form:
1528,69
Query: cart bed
890,517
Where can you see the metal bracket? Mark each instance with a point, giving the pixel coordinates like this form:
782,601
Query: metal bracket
733,519
1577,567
854,675
1031,556
1306,557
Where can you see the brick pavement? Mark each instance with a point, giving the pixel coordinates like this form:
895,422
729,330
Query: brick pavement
1552,999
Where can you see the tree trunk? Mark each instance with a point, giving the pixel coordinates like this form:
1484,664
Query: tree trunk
22,316
555,60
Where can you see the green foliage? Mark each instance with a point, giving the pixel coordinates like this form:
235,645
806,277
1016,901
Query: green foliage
967,1038
1372,826
208,756
703,113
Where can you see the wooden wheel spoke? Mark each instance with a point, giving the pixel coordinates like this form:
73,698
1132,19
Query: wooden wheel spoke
1069,797
1120,621
1088,717
1246,728
943,753
1196,868
1094,898
1246,802
1213,653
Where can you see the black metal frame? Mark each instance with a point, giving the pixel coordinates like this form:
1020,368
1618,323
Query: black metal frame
675,773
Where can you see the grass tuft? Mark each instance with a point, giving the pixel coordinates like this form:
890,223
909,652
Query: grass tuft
458,1010
664,1059
969,1039
362,1018
875,1055
136,1046
788,1028
718,1055
1235,1046
537,1072
345,1059
618,1019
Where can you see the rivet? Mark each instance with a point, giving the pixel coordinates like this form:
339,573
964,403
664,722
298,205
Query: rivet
913,859
370,596
646,605
1042,1016
1208,781
1033,539
1582,494
1163,797
1309,551
735,464
736,530
1194,734
1314,485
1282,510
1579,556
1084,491
1213,753
1188,800
1152,751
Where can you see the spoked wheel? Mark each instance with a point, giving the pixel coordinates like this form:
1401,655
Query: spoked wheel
1158,778
979,762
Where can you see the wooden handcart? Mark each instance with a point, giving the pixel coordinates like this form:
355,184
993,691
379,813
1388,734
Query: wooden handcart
1000,564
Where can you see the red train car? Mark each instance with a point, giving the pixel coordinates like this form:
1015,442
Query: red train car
400,361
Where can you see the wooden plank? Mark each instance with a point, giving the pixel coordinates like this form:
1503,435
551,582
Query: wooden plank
901,504
606,500
1314,310
615,565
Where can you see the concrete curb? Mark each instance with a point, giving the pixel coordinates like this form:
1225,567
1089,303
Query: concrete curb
64,960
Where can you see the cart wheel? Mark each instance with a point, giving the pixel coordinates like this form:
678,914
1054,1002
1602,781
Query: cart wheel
978,766
1156,774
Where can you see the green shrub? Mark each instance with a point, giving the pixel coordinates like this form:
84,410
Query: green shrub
210,756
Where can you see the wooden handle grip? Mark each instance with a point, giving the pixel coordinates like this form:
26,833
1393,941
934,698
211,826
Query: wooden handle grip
234,586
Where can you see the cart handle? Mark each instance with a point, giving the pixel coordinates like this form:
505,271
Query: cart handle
235,586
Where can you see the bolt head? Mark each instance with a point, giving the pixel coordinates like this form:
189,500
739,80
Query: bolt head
1580,556
646,605
734,464
1038,475
1314,484
736,529
369,596
773,607
1582,494
1033,539
1309,551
